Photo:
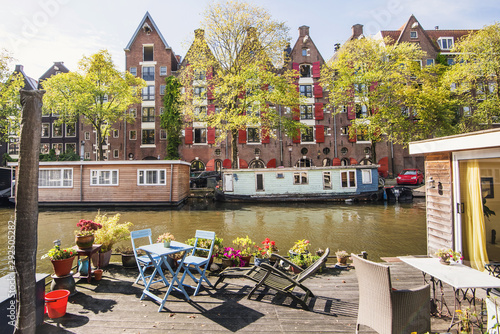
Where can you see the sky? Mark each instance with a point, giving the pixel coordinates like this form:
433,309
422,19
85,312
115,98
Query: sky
39,32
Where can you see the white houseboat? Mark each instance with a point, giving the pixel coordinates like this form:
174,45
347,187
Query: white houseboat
112,183
300,184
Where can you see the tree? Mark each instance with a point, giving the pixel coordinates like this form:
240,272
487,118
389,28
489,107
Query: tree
475,78
386,93
9,96
98,92
235,56
171,119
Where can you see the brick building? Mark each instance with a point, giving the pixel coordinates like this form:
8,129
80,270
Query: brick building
60,137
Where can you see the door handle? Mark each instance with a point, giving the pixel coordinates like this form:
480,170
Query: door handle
460,207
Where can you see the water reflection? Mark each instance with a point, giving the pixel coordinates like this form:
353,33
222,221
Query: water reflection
381,230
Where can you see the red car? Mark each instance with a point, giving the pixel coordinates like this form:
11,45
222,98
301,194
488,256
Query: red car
410,176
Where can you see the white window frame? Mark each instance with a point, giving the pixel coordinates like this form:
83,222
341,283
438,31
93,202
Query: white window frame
47,125
62,180
413,32
116,133
116,154
66,147
133,71
432,62
96,177
163,70
448,39
87,135
54,133
366,176
130,135
301,175
325,185
66,133
142,179
349,185
87,155
162,89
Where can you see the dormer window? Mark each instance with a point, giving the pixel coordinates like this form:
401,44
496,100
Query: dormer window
305,52
413,34
147,53
445,43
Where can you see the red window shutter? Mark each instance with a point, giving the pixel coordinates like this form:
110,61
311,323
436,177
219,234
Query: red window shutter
242,95
296,86
316,69
352,139
320,133
296,67
242,136
265,136
296,138
209,74
336,162
351,112
318,111
296,114
211,135
318,90
210,109
188,136
210,95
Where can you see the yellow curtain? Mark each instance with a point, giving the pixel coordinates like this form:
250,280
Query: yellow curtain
473,217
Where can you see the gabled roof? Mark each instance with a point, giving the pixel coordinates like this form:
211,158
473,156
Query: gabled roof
143,21
29,83
303,38
54,69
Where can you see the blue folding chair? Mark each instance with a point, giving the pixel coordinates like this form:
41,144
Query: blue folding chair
192,261
143,262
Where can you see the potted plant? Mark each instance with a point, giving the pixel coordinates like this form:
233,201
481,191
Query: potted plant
300,247
447,254
246,247
205,243
128,257
84,236
62,259
230,257
166,238
342,257
303,261
263,254
111,233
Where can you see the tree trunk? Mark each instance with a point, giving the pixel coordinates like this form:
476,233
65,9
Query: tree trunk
26,212
234,149
100,153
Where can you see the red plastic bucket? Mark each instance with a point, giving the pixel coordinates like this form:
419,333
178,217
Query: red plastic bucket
56,302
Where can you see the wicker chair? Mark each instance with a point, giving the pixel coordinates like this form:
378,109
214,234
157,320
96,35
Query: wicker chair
387,310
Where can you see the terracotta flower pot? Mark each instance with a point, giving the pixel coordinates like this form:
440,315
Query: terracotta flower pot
247,260
342,260
98,274
84,241
62,267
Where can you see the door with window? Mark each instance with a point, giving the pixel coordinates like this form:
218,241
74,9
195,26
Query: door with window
476,175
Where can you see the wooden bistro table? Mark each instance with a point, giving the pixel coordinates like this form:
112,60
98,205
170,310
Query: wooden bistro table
461,278
161,251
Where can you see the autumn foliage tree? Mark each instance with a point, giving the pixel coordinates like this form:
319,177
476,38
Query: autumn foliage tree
237,56
97,91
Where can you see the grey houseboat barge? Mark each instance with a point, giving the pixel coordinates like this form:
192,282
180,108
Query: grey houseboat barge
300,184
128,183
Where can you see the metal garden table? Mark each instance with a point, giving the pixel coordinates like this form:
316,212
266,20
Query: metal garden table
161,251
461,278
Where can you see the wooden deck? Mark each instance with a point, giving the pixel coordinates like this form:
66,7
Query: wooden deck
113,306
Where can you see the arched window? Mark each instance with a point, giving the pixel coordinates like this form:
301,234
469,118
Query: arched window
345,162
197,166
327,162
256,164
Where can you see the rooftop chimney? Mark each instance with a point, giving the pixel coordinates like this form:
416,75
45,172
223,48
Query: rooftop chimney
436,27
303,31
357,30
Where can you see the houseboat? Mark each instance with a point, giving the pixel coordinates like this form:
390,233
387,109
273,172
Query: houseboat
337,183
112,183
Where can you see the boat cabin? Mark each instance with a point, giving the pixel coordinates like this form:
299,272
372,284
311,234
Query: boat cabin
130,183
300,184
462,179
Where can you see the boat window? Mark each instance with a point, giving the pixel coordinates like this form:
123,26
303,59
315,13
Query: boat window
300,178
327,180
366,176
348,179
259,178
151,177
55,178
104,177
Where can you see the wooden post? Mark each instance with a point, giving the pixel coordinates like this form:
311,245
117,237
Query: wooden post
26,212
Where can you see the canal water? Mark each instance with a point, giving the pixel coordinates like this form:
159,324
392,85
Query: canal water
382,230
